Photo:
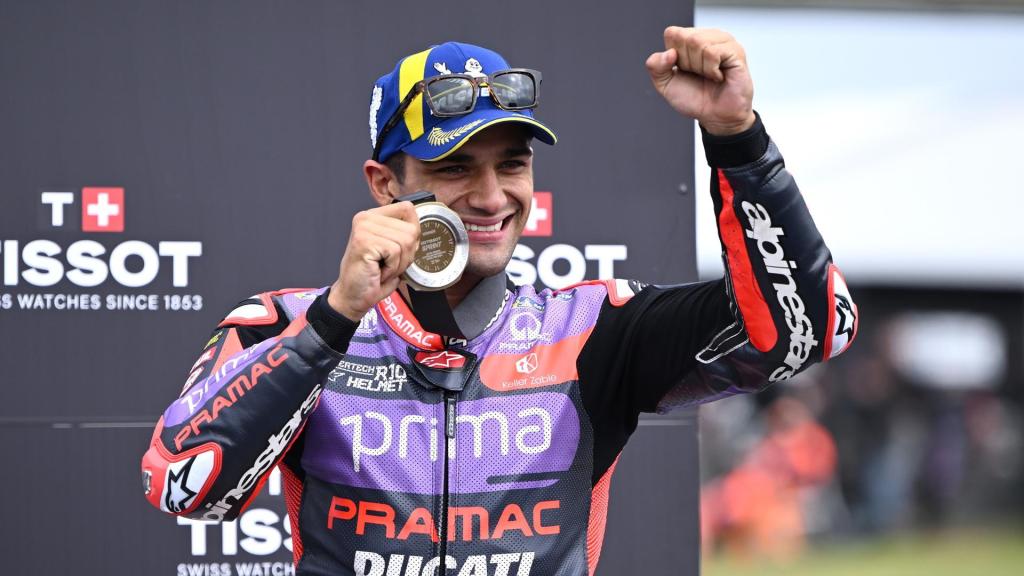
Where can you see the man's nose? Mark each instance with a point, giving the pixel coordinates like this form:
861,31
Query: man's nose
487,195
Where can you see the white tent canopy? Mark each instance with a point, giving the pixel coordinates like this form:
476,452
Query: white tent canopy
904,131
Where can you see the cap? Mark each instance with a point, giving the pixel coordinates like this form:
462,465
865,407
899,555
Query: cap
421,134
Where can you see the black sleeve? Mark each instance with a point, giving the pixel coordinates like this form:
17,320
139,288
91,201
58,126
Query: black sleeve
245,402
781,306
638,351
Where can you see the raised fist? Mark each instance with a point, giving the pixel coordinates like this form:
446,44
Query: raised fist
703,74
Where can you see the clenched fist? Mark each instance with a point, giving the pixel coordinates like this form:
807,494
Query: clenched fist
380,247
703,74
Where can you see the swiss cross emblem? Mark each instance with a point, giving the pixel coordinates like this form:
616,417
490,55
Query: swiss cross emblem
103,209
443,360
539,221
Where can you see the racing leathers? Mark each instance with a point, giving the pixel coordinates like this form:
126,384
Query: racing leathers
405,453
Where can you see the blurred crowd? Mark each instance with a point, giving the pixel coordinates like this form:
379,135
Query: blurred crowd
918,427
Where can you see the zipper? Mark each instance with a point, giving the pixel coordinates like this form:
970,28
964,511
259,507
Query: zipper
450,401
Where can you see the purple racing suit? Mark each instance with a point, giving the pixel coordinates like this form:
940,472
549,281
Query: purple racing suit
408,454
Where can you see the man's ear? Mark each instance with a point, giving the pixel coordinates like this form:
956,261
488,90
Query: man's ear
382,182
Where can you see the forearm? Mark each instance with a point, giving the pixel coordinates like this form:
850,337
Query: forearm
213,447
791,305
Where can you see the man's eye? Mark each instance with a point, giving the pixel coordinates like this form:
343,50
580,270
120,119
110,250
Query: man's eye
513,164
451,170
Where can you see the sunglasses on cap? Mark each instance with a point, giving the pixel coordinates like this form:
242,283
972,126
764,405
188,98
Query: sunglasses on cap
451,95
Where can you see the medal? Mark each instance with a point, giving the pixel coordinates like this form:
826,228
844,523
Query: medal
444,247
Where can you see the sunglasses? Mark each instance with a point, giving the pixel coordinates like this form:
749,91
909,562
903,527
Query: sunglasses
451,95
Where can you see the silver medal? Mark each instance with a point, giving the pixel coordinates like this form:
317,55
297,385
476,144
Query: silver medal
444,248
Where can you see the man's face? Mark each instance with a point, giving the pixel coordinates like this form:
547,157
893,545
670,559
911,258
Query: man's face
489,183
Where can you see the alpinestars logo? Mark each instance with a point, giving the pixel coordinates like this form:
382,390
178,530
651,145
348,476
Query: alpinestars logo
844,312
276,445
186,479
178,494
801,331
843,322
443,360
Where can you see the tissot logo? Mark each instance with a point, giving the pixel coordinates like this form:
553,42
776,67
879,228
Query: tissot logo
102,208
539,222
95,260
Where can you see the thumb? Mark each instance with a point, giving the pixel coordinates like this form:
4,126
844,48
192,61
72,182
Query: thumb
659,66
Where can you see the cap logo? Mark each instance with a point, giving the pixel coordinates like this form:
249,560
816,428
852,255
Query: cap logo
473,67
378,94
441,68
438,137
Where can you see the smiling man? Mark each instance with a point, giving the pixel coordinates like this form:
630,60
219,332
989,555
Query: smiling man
490,451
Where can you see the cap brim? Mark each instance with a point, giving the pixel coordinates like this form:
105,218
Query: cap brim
451,134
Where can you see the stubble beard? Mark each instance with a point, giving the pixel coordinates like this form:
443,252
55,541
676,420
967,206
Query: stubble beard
489,264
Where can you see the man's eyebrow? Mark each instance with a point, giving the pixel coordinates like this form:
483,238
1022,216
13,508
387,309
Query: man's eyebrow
457,159
519,151
463,158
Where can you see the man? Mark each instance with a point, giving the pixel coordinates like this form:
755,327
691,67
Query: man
407,452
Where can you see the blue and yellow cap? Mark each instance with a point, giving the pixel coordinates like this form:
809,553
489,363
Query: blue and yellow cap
419,133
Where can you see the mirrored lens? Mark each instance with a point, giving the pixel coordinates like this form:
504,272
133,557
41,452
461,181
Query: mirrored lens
450,96
514,90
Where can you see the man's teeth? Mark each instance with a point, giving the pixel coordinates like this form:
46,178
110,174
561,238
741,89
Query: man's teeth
492,228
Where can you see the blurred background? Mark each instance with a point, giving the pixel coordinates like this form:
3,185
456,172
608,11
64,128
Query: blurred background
904,456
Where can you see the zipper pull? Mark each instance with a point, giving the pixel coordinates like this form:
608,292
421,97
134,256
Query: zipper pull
449,415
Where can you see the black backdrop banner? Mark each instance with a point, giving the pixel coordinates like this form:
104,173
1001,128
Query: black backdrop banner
163,160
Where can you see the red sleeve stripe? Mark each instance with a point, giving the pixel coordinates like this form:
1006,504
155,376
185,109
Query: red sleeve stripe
598,517
293,499
756,316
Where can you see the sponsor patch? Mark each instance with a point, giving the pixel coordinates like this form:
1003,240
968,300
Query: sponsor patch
465,523
527,364
780,270
372,378
276,446
513,441
528,302
545,365
504,564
